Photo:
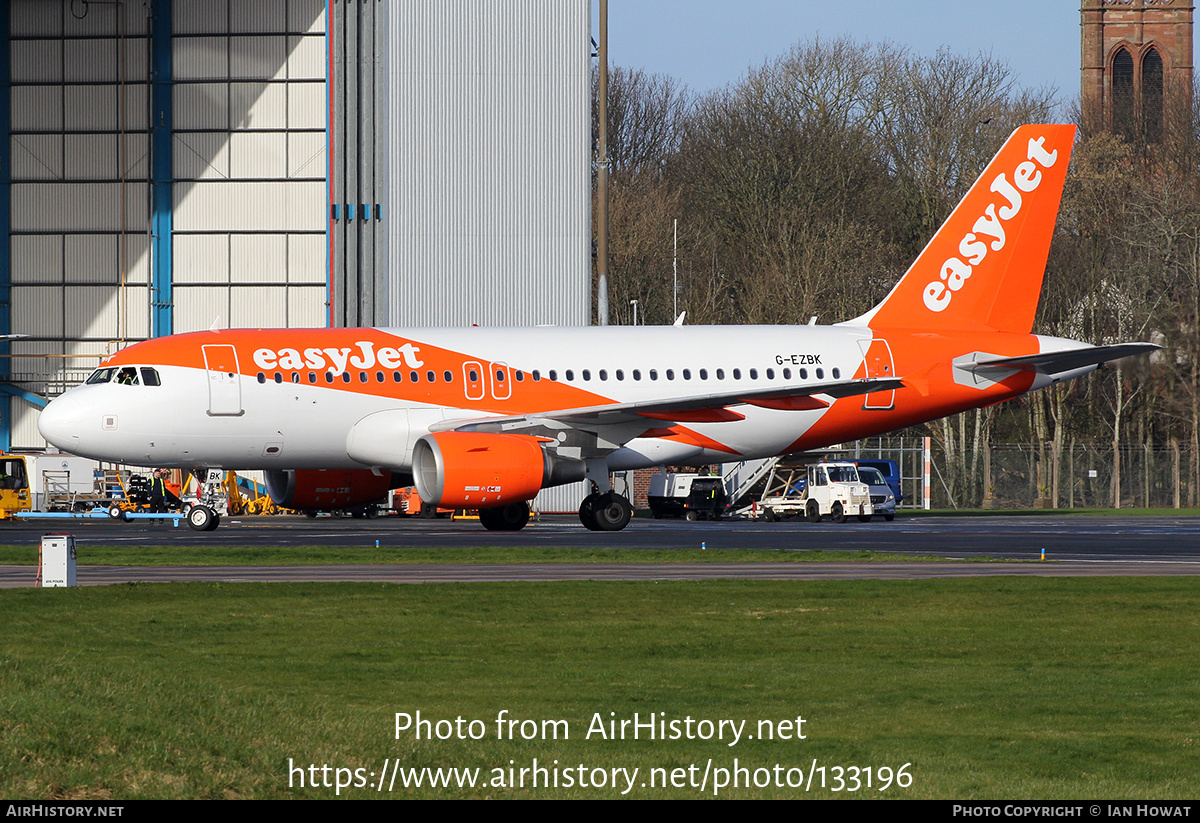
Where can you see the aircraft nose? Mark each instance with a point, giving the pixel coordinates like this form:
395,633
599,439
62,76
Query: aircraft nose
61,422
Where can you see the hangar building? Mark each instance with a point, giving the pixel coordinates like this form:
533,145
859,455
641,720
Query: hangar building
175,166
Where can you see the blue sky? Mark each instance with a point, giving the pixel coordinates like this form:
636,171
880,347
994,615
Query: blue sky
709,43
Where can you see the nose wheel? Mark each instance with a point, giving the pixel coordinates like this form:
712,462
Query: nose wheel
608,512
202,518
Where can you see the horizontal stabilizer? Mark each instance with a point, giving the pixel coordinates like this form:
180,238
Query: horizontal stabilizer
1057,362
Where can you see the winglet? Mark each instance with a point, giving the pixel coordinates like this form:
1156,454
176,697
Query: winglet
983,269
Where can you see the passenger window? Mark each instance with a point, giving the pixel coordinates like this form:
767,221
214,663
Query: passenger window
431,376
687,374
820,374
345,377
737,374
754,374
448,377
363,377
570,374
295,377
620,374
379,378
720,374
770,374
150,377
603,374
520,375
414,377
328,377
312,377
553,374
587,374
704,374
396,377
637,374
278,377
837,374
787,374
653,374
804,374
537,376
262,378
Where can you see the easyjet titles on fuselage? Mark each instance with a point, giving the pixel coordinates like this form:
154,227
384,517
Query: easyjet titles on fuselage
336,359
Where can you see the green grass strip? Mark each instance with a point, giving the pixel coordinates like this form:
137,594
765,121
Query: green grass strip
997,688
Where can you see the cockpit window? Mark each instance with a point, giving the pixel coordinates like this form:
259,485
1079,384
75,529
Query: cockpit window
127,376
150,377
100,376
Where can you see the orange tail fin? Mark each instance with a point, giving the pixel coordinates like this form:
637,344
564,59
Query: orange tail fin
983,269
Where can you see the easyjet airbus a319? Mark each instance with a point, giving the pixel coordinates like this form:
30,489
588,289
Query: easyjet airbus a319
484,418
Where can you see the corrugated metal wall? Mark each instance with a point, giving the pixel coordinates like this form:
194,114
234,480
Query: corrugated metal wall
488,208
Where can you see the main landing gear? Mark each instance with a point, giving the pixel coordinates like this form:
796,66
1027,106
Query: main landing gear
510,518
606,512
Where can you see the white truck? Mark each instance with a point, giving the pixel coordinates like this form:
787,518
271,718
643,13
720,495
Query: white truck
832,489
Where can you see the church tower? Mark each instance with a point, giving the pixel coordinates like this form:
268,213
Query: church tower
1136,55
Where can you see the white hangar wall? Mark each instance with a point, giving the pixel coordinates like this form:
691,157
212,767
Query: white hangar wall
249,162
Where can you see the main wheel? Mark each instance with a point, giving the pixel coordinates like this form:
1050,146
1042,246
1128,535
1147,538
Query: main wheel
510,518
838,513
607,512
587,511
202,518
813,512
613,512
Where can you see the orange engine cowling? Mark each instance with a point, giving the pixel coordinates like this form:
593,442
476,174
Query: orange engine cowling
474,470
326,489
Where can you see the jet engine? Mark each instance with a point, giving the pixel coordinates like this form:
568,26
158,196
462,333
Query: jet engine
480,470
326,489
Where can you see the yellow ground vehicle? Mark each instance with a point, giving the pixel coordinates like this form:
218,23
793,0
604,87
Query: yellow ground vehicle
14,486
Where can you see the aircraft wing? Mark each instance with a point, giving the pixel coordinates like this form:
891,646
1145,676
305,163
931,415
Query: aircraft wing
1056,362
705,408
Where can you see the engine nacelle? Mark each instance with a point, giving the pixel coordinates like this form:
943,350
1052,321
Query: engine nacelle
479,470
327,489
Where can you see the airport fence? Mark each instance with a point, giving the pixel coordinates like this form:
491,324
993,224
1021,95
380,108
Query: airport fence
1034,475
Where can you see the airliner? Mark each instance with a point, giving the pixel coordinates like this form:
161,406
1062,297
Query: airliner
484,418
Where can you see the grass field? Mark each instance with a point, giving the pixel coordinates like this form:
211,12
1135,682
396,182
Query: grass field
996,688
